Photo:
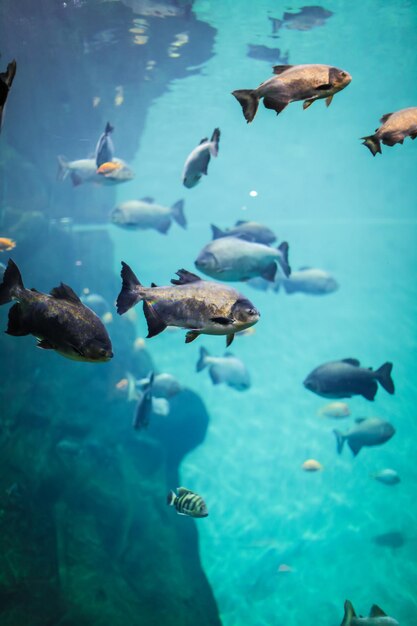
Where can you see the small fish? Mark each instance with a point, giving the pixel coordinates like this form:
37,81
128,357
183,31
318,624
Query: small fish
393,539
395,127
108,167
227,369
336,410
291,83
371,431
164,385
199,305
104,152
59,321
345,378
263,53
144,407
234,259
250,231
377,617
122,384
6,81
308,280
311,465
143,214
197,162
187,503
387,476
6,244
284,568
307,18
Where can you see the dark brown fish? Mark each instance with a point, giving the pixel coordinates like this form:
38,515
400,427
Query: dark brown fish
395,127
292,83
202,306
6,80
59,321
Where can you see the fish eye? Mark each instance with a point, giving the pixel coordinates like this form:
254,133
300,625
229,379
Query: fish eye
252,312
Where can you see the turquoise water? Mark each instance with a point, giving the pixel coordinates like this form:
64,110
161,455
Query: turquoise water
342,210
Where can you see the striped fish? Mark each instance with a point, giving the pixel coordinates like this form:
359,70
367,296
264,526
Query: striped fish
187,503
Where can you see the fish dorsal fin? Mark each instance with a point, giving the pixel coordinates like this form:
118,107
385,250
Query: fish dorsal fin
154,285
229,355
148,199
304,268
203,140
64,292
241,222
383,119
182,491
280,69
353,362
185,277
359,420
376,611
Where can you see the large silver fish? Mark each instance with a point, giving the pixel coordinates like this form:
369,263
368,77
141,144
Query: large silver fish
58,320
197,162
291,83
234,259
395,127
187,503
145,213
85,171
201,306
377,617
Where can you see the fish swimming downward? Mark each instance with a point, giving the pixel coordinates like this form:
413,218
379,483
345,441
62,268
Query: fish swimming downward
291,83
144,406
105,149
345,378
377,617
395,127
187,503
59,321
197,162
6,80
202,307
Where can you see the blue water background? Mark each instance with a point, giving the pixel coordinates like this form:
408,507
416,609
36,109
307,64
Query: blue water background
342,210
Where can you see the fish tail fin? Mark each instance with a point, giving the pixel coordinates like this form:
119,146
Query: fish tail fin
248,101
63,168
217,232
12,282
201,363
177,211
214,142
372,142
171,498
128,295
349,613
340,440
283,260
383,376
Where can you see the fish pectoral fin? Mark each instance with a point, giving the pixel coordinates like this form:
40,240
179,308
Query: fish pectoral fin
191,335
359,420
308,103
44,344
324,87
329,100
224,321
376,611
155,324
148,199
64,292
229,339
275,105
